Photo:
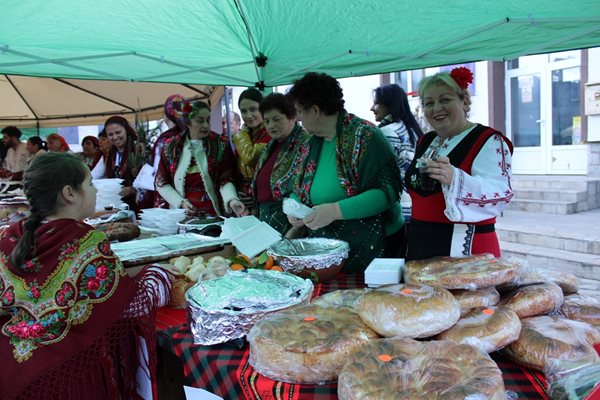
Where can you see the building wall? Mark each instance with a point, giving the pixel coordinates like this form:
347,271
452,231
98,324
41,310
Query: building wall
593,132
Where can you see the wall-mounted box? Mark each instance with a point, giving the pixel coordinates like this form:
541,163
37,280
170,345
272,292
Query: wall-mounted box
592,98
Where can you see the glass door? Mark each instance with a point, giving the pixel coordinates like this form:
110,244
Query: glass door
544,114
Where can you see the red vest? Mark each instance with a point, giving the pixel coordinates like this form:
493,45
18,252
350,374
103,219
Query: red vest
430,206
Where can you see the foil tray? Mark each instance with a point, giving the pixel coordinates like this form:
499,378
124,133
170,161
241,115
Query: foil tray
295,255
226,308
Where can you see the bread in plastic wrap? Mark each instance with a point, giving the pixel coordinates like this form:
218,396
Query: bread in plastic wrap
566,280
408,310
470,299
488,328
308,344
393,368
532,300
582,308
547,340
472,272
339,298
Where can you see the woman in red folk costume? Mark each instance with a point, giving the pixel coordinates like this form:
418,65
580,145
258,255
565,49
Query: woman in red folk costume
72,321
196,169
459,180
176,110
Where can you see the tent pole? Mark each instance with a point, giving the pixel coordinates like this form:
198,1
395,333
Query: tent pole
226,96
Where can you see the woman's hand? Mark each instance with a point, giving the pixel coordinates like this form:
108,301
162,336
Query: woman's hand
323,215
440,169
127,191
238,208
188,207
296,222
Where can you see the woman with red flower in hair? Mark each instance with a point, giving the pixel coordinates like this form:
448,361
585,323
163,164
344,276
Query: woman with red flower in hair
459,180
196,169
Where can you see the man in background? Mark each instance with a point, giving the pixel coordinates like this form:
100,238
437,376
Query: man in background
16,156
234,122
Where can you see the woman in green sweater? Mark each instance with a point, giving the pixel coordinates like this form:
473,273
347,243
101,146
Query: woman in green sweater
349,178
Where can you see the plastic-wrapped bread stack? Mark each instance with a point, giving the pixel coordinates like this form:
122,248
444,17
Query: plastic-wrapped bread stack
340,298
550,344
583,308
406,369
530,275
408,311
488,328
472,273
470,299
307,344
535,299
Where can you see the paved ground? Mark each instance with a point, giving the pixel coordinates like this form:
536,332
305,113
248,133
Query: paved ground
584,225
555,234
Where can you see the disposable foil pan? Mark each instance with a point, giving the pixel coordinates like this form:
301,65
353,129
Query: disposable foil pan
295,255
197,224
226,308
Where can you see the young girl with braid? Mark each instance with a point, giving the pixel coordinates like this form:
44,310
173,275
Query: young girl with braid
73,321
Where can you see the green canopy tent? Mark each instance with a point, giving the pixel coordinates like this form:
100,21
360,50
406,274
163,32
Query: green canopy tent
273,42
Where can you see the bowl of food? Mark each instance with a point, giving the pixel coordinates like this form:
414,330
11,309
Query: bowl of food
319,259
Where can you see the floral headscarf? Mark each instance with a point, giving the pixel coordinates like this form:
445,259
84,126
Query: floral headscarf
177,109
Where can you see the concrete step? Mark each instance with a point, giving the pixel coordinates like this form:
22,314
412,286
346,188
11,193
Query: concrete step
582,265
581,183
570,196
543,206
536,236
589,287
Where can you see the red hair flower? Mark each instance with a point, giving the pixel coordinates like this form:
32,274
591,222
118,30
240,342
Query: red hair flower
462,76
186,107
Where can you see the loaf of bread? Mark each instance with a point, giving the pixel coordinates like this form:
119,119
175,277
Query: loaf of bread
408,311
180,285
306,344
488,328
406,369
536,299
545,342
473,272
339,298
567,281
582,308
470,299
121,231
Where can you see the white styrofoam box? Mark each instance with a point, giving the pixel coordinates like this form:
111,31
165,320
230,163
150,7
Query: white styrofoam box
383,271
234,226
256,239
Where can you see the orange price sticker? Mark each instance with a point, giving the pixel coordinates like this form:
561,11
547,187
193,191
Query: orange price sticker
406,291
385,357
488,311
309,319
